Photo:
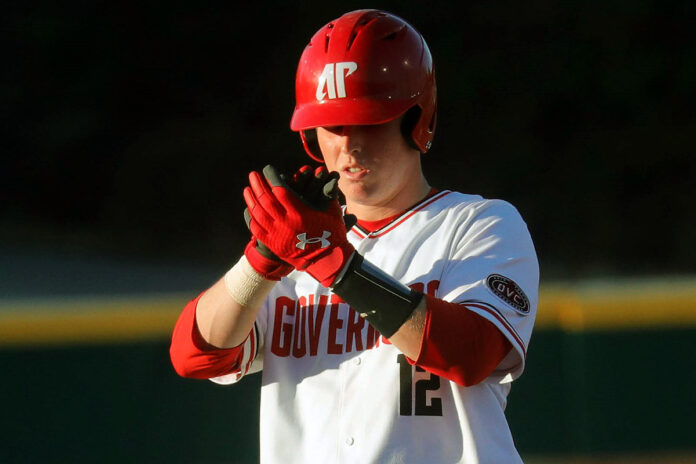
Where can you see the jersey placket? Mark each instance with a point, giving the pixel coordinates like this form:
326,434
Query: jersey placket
347,440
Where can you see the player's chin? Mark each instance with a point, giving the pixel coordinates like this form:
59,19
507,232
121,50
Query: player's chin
357,191
349,185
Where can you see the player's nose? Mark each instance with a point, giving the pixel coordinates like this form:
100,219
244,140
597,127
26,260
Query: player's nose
350,140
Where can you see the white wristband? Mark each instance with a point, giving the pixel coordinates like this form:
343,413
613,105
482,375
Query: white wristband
246,286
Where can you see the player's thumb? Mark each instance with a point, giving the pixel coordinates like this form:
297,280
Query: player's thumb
330,189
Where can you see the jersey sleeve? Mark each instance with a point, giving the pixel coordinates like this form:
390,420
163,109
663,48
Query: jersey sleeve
193,357
493,271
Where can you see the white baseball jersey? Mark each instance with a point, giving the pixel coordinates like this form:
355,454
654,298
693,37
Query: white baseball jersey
333,391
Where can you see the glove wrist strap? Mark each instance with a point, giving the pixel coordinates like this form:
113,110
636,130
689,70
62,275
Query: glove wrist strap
265,262
385,302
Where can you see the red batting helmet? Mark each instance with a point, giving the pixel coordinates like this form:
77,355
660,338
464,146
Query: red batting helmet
366,67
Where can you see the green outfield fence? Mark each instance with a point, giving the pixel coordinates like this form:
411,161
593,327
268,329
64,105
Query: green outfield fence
610,372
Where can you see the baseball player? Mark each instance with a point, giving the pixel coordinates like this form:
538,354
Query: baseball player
392,340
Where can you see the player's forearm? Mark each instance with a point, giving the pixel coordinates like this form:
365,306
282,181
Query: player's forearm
410,335
463,347
227,311
456,343
391,307
192,356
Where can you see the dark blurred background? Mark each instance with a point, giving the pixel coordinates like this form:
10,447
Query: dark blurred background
129,127
128,131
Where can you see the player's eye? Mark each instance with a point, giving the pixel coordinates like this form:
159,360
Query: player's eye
338,130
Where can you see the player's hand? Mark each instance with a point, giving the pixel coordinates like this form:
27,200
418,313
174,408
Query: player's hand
309,184
305,230
259,256
262,259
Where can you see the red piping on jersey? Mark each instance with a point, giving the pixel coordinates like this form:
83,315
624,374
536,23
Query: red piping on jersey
502,320
403,218
372,226
252,349
357,233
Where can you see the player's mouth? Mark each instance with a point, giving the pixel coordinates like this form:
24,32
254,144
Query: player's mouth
354,172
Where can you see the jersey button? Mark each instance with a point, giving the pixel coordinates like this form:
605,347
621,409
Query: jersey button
350,441
357,361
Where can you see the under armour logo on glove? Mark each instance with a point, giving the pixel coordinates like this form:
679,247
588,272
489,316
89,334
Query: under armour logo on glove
303,240
281,215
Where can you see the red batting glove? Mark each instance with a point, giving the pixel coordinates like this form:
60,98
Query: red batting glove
266,262
263,260
309,236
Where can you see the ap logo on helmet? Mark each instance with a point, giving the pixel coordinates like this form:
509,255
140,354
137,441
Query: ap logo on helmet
333,79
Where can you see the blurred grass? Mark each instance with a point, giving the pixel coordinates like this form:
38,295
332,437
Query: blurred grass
644,458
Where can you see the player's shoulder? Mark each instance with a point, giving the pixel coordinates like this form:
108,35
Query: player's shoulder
475,206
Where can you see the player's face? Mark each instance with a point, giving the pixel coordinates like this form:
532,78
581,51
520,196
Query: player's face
377,167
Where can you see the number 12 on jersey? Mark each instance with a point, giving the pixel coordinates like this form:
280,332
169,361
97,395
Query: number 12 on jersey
422,386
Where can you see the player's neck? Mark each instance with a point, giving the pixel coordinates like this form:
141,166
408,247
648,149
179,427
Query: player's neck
411,194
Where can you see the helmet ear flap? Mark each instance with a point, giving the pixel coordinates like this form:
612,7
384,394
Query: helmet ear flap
408,125
311,144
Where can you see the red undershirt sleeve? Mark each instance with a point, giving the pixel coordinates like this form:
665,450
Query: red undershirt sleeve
458,344
195,358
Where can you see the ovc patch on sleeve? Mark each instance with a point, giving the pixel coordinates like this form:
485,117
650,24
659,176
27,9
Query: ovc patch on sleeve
508,291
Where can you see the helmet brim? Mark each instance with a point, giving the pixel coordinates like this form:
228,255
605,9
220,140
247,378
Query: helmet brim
346,112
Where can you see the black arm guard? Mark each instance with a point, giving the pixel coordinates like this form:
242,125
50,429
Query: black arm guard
385,302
